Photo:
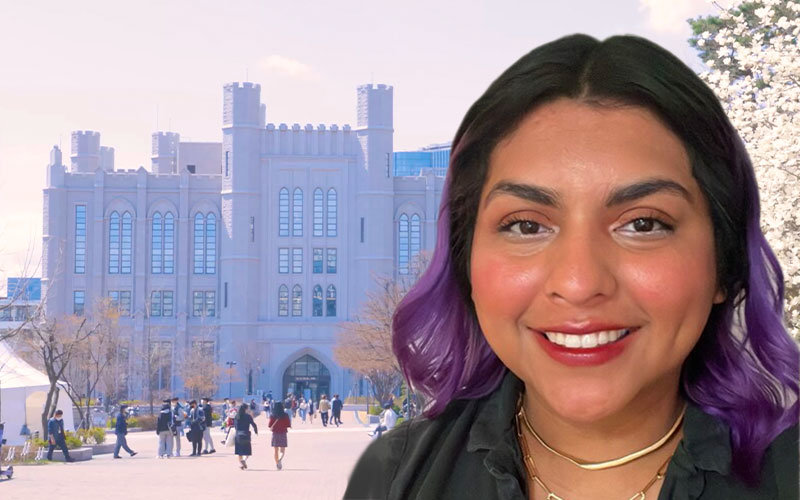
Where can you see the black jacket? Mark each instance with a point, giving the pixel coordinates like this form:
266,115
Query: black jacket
336,405
208,415
165,419
471,451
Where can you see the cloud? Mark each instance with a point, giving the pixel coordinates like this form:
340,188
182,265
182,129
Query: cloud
287,67
669,16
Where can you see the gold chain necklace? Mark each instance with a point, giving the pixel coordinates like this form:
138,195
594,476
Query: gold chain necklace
608,463
530,467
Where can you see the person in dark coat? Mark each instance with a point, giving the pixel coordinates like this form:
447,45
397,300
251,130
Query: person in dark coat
56,436
336,410
197,425
164,426
208,421
242,447
121,430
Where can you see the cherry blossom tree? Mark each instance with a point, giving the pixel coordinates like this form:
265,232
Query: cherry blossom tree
755,72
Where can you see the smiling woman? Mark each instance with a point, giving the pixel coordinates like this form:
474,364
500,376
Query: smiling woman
602,317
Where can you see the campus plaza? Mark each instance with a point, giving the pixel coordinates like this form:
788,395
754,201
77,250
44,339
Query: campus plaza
317,465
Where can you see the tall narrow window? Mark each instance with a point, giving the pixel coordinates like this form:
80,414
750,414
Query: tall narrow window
225,299
297,213
318,215
297,260
227,159
362,230
416,239
331,258
297,301
283,260
199,243
211,303
317,301
317,261
211,244
330,301
169,243
155,303
331,212
80,239
157,245
402,251
126,253
252,229
113,243
168,301
283,300
283,212
197,303
78,302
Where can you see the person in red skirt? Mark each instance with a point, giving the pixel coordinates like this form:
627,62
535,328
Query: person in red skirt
279,422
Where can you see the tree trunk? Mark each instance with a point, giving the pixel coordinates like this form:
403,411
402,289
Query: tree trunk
49,407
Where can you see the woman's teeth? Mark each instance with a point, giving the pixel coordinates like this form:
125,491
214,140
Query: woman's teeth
586,341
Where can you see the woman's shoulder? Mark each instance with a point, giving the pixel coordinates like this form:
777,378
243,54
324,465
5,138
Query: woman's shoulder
402,448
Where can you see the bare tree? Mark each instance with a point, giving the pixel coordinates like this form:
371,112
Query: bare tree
93,357
54,343
198,368
364,344
250,360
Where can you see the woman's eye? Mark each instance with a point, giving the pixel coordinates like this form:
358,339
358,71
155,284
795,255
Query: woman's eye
523,227
646,225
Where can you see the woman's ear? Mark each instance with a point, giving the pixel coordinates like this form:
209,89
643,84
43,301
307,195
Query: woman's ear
720,296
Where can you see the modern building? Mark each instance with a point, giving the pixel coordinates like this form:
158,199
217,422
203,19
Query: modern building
253,248
411,163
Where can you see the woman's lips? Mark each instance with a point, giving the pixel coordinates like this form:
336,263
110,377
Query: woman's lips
586,349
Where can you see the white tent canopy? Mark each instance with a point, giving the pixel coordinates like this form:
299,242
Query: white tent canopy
23,391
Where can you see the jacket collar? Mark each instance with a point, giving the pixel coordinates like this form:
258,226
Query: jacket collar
705,444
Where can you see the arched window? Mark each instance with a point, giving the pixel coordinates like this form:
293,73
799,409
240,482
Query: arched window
283,300
169,243
283,212
297,301
297,213
330,301
416,239
331,212
211,244
318,212
199,243
403,244
113,243
157,244
127,244
317,301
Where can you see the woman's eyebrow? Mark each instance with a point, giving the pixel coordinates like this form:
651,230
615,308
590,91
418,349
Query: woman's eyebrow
618,196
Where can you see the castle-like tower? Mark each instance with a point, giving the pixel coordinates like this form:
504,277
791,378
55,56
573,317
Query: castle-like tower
254,248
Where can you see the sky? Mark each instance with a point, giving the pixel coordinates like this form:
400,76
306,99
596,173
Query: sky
128,69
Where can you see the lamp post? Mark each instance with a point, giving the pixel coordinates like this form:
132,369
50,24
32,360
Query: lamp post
230,364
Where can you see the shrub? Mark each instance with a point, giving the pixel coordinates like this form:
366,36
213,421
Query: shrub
95,435
146,422
72,440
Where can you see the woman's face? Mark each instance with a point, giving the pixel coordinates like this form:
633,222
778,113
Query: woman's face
591,227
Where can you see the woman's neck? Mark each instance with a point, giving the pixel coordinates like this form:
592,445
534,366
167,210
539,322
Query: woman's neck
637,425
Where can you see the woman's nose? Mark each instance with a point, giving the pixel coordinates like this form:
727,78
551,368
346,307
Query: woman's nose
580,269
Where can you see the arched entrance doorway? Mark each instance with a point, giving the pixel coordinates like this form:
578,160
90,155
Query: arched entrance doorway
307,377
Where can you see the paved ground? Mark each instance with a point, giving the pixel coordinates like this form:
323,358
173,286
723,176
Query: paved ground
317,466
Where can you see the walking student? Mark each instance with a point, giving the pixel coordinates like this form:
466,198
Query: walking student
311,410
324,408
336,410
279,422
209,422
243,448
121,430
164,426
55,432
